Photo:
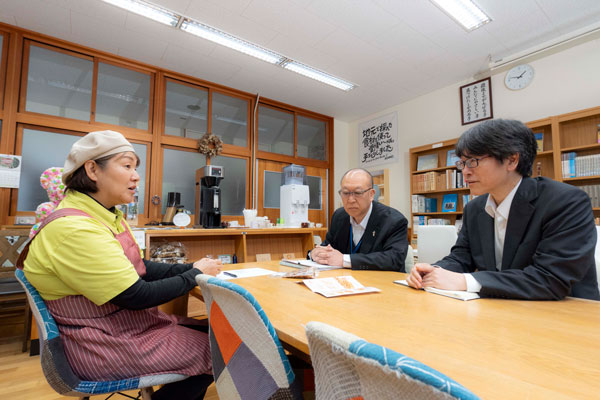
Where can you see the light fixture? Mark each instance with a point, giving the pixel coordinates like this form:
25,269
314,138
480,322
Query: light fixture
465,12
207,32
227,40
557,44
320,76
147,10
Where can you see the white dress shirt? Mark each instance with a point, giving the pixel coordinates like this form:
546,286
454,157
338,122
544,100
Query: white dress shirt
358,229
500,214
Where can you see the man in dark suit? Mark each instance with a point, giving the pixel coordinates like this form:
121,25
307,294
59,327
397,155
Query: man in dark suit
522,238
364,234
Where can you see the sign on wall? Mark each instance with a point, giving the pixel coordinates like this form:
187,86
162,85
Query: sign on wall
378,140
476,101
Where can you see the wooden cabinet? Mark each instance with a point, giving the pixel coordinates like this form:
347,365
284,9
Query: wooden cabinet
245,244
567,138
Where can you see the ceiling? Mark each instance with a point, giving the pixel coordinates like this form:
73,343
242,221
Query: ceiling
395,50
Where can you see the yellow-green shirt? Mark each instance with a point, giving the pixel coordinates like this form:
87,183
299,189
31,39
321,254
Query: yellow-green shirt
79,256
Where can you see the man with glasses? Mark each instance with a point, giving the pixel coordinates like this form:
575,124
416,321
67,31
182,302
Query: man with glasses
364,234
523,237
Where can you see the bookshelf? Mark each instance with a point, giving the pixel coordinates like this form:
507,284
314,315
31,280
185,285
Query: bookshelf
381,178
575,134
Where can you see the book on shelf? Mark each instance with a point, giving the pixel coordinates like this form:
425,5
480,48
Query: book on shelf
422,204
427,161
574,166
539,138
438,221
449,202
451,158
466,198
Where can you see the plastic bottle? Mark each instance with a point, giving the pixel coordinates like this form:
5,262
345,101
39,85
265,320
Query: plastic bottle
132,210
234,259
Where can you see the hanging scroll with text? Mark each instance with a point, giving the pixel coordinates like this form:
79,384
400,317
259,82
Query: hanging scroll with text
378,140
476,101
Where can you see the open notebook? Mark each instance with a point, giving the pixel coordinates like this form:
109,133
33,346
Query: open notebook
455,294
301,263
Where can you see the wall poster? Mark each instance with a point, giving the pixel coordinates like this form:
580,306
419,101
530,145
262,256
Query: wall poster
378,140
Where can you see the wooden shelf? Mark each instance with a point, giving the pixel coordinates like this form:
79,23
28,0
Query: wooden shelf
572,132
433,169
466,189
440,213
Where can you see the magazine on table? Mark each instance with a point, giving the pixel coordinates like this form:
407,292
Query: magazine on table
338,286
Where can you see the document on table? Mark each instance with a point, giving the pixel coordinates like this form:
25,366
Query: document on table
455,294
301,263
244,273
338,286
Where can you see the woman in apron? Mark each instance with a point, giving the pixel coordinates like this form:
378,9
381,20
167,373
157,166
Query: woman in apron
87,267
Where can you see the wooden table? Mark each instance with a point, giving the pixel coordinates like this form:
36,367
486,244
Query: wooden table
499,349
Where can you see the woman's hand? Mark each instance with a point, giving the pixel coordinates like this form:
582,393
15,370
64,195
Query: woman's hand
209,266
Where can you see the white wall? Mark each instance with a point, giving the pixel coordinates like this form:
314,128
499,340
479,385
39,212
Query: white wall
563,82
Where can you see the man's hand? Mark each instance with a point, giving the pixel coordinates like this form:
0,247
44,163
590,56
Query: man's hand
209,266
426,275
327,256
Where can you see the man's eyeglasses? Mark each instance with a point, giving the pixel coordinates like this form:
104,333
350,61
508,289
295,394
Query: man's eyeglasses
471,163
346,194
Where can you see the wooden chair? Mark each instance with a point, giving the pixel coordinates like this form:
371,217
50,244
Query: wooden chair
14,309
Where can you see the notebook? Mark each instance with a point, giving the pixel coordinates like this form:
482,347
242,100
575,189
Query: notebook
455,294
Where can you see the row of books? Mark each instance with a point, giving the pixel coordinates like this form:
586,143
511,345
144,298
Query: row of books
423,204
430,181
574,166
594,192
425,220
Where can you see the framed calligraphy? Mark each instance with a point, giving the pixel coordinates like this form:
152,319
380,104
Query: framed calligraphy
378,140
476,101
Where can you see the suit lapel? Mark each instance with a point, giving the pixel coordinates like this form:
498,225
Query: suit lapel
485,224
345,234
521,211
371,231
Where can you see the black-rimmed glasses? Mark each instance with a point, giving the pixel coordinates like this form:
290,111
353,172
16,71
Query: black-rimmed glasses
471,163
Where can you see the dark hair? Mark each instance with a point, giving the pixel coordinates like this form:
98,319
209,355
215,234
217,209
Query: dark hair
500,138
81,182
358,169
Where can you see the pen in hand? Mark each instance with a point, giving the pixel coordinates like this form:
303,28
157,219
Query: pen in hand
230,274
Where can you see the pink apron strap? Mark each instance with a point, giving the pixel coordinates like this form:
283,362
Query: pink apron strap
127,241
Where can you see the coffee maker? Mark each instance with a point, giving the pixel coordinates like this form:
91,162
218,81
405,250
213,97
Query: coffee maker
208,196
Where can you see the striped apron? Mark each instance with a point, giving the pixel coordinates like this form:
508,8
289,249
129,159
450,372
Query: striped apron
108,342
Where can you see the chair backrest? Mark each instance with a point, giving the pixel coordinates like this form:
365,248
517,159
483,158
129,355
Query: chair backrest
56,367
248,359
434,242
11,244
347,367
597,255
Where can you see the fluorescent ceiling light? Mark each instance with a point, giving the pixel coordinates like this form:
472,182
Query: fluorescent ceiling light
148,10
313,73
465,12
227,40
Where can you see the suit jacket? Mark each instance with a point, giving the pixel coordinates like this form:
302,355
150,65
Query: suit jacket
548,248
384,243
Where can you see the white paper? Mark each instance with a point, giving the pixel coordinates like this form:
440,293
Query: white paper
10,170
301,263
455,294
244,273
338,286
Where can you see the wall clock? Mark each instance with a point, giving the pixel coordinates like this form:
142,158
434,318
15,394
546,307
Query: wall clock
519,77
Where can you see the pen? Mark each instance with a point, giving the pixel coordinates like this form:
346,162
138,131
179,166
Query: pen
230,274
